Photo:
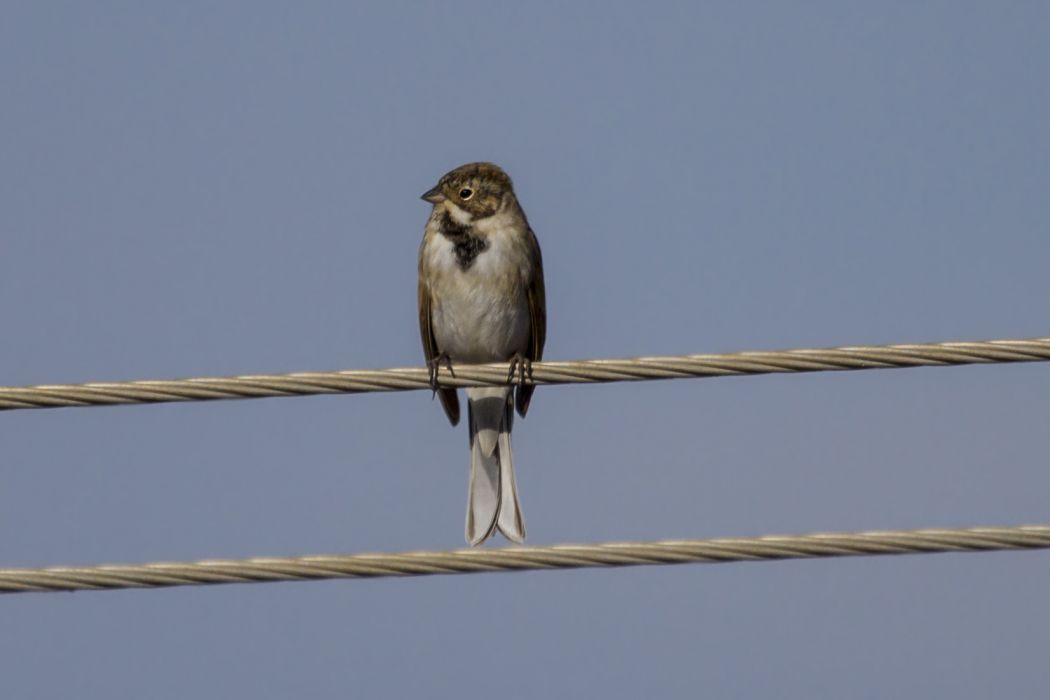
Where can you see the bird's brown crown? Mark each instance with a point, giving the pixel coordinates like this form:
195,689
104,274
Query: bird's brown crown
478,188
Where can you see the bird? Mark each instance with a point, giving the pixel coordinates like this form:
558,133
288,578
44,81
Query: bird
482,299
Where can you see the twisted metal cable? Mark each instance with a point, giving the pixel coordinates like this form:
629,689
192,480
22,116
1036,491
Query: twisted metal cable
465,561
583,371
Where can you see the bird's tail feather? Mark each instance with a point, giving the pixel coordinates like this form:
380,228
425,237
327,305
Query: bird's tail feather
492,497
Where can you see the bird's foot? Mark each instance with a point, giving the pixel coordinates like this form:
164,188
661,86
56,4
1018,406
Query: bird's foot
522,366
434,365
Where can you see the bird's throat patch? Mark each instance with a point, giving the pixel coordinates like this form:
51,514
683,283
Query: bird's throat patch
465,244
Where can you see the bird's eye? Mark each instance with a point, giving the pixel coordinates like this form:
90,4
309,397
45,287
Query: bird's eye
466,193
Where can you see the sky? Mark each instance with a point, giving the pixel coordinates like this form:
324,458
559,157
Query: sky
200,188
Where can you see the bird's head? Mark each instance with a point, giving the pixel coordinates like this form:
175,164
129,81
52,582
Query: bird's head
472,191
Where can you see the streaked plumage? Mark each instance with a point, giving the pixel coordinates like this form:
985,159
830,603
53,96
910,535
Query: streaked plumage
481,299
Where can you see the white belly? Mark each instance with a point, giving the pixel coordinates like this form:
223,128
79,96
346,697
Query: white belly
480,314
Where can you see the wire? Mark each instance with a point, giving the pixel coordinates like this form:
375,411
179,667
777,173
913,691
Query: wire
525,558
584,371
465,561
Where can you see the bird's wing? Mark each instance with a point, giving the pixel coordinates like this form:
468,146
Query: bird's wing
537,296
449,399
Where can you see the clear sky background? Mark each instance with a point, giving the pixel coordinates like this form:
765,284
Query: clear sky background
219,188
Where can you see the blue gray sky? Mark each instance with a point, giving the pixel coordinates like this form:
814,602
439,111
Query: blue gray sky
218,188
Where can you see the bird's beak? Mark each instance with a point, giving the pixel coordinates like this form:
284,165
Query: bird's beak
433,195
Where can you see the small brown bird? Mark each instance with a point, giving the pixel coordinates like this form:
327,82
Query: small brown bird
481,299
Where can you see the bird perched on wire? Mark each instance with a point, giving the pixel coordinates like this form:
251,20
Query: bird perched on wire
481,299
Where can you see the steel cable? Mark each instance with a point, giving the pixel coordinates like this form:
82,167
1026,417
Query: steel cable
464,561
583,371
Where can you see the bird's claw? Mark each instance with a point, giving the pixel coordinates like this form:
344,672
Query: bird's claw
522,366
434,365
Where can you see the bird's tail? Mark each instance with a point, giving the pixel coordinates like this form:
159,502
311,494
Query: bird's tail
492,497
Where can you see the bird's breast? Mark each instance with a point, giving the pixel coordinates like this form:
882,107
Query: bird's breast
479,312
